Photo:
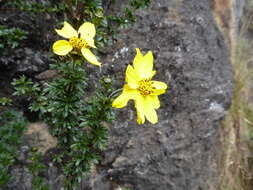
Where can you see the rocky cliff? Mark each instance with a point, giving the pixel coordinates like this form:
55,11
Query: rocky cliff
191,56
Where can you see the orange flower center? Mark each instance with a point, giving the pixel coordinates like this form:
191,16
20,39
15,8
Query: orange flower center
145,87
78,42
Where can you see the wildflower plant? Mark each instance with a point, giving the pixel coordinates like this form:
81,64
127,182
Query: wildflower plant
77,120
80,121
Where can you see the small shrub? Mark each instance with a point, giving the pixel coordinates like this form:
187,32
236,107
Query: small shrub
78,123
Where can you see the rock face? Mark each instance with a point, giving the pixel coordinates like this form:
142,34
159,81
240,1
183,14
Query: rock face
178,153
37,135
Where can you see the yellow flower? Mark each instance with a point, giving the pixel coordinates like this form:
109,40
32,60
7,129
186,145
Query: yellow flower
140,88
81,40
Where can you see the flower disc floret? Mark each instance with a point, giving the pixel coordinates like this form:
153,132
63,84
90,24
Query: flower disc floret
78,43
145,87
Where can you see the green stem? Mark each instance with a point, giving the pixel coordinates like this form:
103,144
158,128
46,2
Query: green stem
115,92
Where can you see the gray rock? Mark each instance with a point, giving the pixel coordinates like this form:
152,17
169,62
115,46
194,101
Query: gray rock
22,179
179,152
32,62
23,154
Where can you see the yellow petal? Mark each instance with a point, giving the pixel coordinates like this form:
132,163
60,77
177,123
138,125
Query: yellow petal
132,78
148,60
67,31
155,101
157,92
152,74
90,57
139,105
149,110
138,63
89,41
137,59
62,47
158,87
122,100
140,118
144,64
87,29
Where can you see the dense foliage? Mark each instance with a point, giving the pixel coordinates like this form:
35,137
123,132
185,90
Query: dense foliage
77,122
12,127
10,38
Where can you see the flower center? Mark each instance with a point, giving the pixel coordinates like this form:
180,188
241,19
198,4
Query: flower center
145,87
78,42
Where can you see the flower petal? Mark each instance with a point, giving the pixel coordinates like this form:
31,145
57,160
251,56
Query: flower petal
155,101
149,110
62,47
140,118
67,31
139,105
122,100
152,74
157,92
137,60
144,64
158,87
132,78
87,29
147,65
89,41
90,57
